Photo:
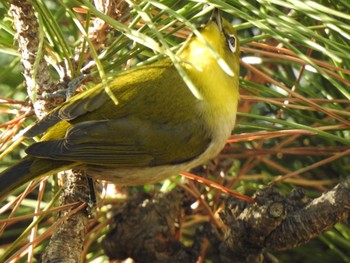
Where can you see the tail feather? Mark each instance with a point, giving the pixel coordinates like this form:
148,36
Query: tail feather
27,169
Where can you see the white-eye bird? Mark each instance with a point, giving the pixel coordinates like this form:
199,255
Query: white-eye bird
157,129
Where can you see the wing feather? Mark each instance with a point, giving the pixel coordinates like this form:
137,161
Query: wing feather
126,142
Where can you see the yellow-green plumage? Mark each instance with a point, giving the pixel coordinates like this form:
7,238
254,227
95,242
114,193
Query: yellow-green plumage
157,129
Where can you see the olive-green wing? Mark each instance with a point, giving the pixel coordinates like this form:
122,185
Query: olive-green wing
89,102
79,105
126,142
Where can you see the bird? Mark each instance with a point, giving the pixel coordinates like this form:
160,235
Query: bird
157,128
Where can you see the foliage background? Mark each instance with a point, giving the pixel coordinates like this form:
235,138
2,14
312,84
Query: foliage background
294,85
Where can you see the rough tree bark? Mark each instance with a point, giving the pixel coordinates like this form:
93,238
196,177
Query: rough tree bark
144,229
66,243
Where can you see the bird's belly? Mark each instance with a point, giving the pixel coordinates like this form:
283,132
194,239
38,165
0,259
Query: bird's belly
132,176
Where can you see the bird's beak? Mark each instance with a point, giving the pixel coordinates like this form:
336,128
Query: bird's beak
216,17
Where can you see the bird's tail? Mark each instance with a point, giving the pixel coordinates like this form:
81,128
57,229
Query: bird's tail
27,169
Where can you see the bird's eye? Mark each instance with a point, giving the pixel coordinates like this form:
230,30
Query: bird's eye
231,42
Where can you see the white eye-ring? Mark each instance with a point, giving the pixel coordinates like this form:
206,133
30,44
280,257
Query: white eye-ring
231,42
